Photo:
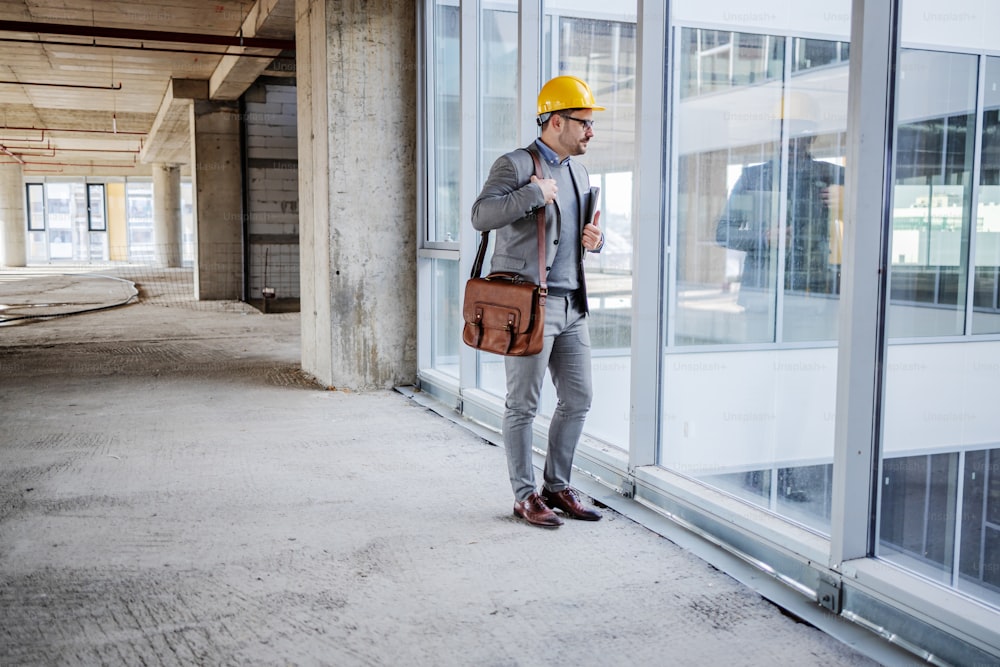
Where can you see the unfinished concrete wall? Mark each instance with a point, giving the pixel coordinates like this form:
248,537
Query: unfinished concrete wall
272,214
357,156
13,234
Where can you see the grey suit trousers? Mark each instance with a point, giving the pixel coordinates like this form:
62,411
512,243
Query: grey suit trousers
566,355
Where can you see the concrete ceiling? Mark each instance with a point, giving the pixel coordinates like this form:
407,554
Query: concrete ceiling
105,86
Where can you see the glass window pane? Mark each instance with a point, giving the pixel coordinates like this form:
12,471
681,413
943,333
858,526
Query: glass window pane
187,223
939,407
498,127
759,185
986,299
815,118
447,319
95,208
726,201
498,112
66,216
59,205
810,53
715,60
932,197
139,220
917,518
445,218
36,207
603,53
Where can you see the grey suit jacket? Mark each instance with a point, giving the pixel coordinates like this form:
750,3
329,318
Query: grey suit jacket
507,204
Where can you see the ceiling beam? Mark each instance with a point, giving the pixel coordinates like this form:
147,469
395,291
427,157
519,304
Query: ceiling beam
169,139
234,74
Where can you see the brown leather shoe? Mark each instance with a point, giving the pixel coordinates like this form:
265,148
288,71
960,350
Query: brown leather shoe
567,501
534,511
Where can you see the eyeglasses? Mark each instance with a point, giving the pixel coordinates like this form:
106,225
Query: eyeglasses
587,123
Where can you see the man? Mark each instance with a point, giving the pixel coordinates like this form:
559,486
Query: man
749,221
507,204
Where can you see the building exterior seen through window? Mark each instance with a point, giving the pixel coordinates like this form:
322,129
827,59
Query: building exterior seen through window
88,220
753,222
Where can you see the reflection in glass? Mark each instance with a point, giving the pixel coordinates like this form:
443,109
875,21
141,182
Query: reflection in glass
445,218
716,60
986,297
938,493
760,174
932,198
757,241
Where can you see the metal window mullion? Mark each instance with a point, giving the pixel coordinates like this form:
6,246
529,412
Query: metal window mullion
426,115
529,66
928,477
732,59
670,269
864,292
977,162
470,13
784,184
956,548
554,43
651,255
987,461
426,178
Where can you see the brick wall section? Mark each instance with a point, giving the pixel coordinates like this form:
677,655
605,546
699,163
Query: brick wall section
272,187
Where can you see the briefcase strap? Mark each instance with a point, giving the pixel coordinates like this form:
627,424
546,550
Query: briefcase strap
477,265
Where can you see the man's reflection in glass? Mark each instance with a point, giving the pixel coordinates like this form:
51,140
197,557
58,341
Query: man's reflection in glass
750,221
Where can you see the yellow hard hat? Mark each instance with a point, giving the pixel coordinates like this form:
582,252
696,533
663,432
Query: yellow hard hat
566,92
799,111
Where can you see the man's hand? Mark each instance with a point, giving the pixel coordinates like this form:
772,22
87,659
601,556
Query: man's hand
548,187
833,197
592,235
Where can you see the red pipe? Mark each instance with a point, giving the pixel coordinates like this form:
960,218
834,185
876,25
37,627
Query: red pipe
146,35
101,165
42,138
66,129
4,149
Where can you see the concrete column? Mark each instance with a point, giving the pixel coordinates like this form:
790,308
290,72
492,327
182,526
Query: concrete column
167,213
13,234
357,104
218,200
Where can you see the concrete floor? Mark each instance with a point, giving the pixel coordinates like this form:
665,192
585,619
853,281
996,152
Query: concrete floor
174,491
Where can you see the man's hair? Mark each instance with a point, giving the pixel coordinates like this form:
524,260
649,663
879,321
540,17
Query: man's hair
544,118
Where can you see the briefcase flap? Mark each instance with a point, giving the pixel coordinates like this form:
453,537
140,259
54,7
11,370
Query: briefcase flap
500,301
